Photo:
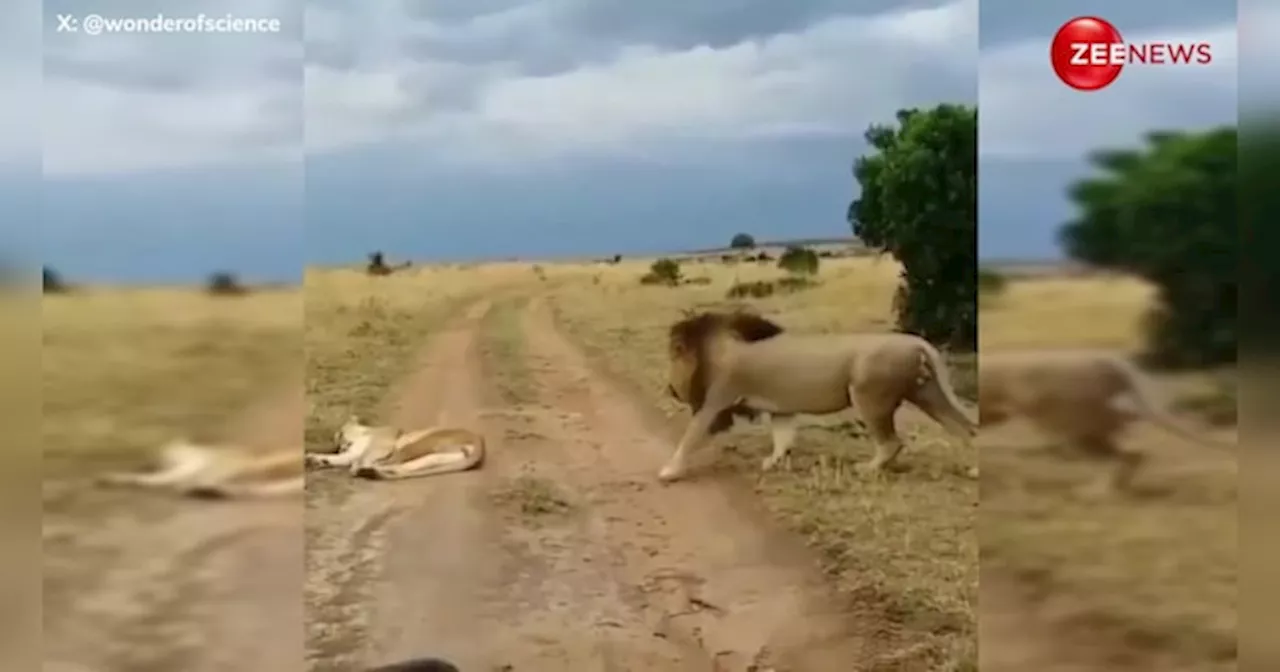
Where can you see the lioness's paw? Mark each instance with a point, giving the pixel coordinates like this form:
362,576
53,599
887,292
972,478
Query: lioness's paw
870,469
669,474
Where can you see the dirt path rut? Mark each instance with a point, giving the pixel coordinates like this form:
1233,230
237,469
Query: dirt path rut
563,552
168,586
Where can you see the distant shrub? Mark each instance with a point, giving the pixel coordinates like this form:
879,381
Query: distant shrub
799,260
664,271
991,283
53,282
742,241
225,284
757,289
698,281
795,283
377,265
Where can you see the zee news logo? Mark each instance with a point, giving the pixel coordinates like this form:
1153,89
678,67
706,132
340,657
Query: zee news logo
1088,53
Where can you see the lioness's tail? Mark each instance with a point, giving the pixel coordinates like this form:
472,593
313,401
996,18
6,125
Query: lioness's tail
1142,400
932,368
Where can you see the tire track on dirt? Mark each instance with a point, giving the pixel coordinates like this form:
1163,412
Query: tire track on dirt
388,562
711,572
446,572
190,586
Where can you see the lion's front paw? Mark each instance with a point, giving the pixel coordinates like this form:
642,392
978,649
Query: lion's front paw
670,473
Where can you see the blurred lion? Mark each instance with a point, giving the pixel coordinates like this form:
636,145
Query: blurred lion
217,472
1085,398
724,364
387,453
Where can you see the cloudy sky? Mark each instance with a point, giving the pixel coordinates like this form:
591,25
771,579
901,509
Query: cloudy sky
167,157
1035,131
465,128
473,128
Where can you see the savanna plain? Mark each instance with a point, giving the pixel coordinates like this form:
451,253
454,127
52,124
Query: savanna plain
564,551
135,582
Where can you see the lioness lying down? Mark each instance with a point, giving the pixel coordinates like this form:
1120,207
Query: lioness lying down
417,665
736,363
209,472
386,453
1084,398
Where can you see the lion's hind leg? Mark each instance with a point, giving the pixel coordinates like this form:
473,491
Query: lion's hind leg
784,429
877,411
1126,463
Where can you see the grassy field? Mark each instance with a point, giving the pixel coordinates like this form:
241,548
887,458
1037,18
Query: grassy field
125,371
1157,573
905,544
363,332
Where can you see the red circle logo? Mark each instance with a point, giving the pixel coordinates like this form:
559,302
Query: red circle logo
1078,53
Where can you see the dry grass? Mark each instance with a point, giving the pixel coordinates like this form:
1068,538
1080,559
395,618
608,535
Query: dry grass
906,543
364,331
125,370
533,497
1154,573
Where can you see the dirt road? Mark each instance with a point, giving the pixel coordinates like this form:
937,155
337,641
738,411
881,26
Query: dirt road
166,585
563,552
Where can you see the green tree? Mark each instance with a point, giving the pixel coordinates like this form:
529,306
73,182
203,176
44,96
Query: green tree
919,203
799,260
1167,212
742,241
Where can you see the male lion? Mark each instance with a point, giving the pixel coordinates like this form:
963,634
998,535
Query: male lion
208,472
1085,398
387,453
736,363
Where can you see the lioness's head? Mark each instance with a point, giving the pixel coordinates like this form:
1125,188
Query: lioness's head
348,432
690,366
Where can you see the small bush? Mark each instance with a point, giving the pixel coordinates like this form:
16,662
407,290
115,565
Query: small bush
698,281
377,265
662,272
795,283
225,284
991,283
758,289
799,260
742,241
53,282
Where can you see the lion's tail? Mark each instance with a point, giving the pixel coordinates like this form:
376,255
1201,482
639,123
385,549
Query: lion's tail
933,368
1141,398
